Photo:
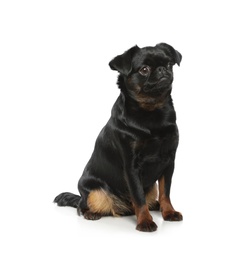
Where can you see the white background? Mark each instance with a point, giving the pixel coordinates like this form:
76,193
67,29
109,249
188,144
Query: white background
57,92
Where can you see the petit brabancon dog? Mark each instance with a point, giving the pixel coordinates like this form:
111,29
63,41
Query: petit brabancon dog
137,147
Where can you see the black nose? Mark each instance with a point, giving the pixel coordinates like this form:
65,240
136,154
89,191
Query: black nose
161,70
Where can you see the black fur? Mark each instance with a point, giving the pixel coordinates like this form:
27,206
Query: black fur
67,199
137,147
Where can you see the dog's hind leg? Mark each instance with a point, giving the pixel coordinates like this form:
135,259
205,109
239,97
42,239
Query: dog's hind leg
87,186
97,200
99,204
103,203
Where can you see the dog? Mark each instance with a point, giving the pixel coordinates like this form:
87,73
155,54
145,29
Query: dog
136,148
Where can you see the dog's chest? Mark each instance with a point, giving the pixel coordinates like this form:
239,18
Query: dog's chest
157,148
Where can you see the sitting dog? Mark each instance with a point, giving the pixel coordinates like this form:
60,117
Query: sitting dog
137,147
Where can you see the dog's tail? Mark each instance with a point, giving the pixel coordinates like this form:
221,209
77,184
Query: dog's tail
67,199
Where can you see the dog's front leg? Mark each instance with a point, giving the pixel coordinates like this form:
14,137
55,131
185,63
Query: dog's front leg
144,218
166,207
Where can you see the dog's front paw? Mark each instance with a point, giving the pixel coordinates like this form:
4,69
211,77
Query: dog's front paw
172,216
147,226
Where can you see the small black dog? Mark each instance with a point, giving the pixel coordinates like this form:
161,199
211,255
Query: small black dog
137,146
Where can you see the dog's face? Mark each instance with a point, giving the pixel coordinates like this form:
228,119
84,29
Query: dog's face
147,73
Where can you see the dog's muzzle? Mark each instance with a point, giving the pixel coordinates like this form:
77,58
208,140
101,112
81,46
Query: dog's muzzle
162,81
163,72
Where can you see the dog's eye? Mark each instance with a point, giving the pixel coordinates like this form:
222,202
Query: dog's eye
144,71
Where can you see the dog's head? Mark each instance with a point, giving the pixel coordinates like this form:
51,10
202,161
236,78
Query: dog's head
146,73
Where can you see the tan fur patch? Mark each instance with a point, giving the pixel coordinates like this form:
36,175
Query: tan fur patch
100,201
149,103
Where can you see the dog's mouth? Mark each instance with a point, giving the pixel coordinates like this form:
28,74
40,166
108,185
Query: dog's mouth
164,81
161,85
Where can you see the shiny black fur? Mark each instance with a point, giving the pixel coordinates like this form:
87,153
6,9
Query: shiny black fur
137,146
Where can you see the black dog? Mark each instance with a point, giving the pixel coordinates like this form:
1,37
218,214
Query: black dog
137,146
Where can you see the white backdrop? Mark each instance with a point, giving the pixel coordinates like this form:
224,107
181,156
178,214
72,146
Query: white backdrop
56,93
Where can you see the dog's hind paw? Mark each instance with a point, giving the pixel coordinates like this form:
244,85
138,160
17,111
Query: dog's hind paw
89,215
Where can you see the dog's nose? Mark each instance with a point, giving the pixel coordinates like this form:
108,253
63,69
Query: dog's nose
161,69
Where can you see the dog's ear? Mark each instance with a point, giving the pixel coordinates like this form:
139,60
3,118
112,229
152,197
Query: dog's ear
168,49
122,63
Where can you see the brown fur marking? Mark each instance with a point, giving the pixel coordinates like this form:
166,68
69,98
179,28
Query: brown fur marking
142,214
144,219
165,202
149,103
166,207
100,201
